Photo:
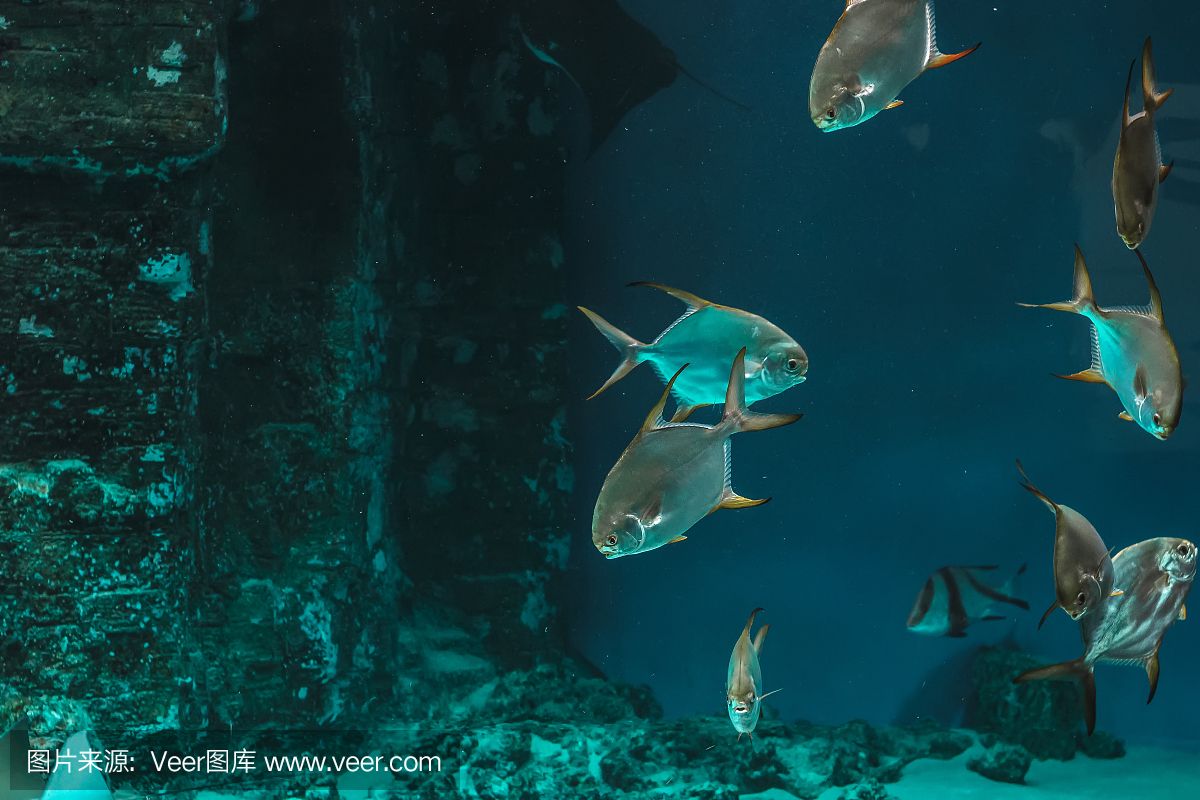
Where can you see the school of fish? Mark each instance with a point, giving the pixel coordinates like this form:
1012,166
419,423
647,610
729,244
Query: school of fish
674,473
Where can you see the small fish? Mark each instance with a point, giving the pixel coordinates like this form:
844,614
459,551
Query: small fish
673,474
1138,167
954,597
743,681
1157,575
704,338
1083,570
1132,352
876,49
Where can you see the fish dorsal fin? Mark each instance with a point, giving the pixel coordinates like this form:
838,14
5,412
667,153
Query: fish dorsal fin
1125,118
683,411
727,489
759,638
693,302
1028,486
1140,389
1094,341
750,622
672,326
1156,309
852,3
654,420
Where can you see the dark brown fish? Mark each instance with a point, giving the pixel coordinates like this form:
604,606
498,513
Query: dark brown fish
1083,571
1156,576
1138,167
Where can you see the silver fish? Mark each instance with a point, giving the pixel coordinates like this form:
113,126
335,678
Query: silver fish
876,49
743,680
954,597
1156,575
1083,570
1138,167
1132,352
673,474
704,338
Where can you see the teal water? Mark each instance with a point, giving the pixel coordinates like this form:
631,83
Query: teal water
895,252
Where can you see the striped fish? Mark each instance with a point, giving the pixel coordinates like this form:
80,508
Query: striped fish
954,597
1156,575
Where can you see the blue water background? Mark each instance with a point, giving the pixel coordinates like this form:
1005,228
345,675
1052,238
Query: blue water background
894,252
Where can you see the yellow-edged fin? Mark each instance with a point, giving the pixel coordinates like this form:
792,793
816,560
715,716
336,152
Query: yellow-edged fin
1183,612
942,59
1088,375
735,501
654,419
893,104
691,300
1152,671
1117,593
1125,416
1164,171
677,539
683,412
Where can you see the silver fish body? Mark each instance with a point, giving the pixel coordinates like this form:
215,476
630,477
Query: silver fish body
1137,166
705,338
1154,578
743,679
1132,352
672,475
954,597
876,49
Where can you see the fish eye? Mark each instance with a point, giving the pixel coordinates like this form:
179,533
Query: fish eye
1081,599
612,540
1158,419
792,365
831,113
1183,550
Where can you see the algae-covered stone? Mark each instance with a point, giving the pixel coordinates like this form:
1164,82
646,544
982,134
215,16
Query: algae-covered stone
1006,763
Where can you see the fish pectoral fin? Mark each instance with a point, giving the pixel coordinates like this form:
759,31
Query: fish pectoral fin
1125,416
1117,593
683,412
1088,375
1140,388
677,539
1164,171
893,104
942,59
768,694
1183,612
1046,616
736,501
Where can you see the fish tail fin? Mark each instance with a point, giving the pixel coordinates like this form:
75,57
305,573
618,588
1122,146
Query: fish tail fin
1069,670
1151,98
736,417
629,347
1082,301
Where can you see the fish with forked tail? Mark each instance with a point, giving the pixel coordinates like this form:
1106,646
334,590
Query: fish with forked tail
954,597
743,681
705,338
876,49
1083,570
1132,352
1157,575
673,474
1138,167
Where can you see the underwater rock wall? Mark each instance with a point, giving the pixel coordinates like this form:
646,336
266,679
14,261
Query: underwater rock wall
239,456
102,268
